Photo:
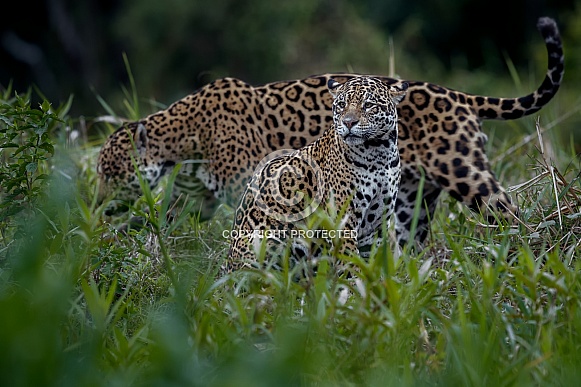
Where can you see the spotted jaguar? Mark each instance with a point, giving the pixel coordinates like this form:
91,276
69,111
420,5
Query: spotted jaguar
351,172
222,131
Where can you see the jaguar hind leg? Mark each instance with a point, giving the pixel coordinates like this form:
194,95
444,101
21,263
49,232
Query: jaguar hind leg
490,199
494,206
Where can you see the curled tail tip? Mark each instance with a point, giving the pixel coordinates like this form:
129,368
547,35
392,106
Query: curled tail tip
547,26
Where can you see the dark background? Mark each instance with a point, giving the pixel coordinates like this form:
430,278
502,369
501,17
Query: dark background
66,47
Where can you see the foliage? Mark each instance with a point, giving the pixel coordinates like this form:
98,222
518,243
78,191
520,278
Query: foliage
26,147
181,45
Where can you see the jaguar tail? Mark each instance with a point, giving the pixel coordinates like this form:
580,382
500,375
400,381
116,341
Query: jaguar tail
512,108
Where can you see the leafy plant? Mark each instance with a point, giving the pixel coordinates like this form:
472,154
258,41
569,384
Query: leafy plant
26,146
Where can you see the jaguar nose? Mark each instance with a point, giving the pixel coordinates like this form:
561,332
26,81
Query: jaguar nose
350,121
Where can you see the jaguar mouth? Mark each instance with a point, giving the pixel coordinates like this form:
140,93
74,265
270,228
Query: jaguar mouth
351,138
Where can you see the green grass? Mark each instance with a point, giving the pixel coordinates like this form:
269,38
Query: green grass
85,305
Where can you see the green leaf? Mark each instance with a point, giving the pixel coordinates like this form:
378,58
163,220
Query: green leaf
47,147
41,177
31,167
45,106
9,145
40,130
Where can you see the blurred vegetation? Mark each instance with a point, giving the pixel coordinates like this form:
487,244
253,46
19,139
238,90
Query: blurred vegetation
69,47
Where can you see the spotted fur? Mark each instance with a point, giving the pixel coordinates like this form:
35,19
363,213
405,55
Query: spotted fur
353,170
230,126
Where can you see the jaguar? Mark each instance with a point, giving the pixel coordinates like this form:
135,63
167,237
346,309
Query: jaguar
220,133
351,173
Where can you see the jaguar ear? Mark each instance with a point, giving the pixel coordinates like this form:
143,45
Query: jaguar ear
399,92
333,86
140,139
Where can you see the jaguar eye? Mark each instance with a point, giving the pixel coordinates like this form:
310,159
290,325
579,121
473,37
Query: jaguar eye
368,105
341,104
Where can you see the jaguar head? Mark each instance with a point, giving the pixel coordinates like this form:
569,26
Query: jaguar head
118,179
365,108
